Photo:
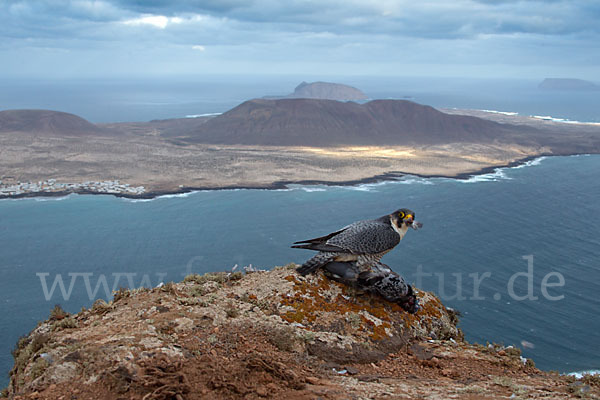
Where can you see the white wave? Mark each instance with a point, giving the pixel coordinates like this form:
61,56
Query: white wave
562,120
369,187
52,198
497,175
175,195
136,200
414,180
312,189
500,112
202,115
164,196
360,188
580,374
41,199
530,163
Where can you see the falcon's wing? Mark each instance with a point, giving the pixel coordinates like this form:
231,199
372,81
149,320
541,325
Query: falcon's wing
366,237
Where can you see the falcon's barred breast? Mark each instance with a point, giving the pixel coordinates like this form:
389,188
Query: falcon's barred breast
363,242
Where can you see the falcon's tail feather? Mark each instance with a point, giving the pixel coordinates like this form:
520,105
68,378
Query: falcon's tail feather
318,247
315,263
321,239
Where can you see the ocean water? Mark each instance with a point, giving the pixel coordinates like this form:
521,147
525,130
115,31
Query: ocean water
144,100
491,229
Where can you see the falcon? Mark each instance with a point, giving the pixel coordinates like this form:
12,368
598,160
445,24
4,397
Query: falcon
362,243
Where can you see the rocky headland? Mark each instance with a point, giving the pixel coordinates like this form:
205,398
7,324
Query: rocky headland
269,334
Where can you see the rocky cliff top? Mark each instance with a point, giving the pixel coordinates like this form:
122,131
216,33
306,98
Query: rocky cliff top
268,335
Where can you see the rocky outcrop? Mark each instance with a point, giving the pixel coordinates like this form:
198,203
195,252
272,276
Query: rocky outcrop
265,335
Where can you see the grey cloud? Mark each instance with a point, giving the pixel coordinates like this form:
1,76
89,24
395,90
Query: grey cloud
446,20
327,31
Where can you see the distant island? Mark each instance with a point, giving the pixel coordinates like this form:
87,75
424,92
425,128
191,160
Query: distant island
269,144
324,91
567,84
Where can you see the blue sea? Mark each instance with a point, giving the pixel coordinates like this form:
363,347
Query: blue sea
516,251
528,235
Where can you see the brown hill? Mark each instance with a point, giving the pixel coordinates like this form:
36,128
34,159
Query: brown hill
47,123
312,122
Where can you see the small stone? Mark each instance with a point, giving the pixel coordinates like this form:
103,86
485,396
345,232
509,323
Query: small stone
331,365
368,378
585,388
352,370
47,357
434,362
261,391
312,380
501,353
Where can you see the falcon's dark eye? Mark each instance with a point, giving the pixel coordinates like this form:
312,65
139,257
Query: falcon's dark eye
401,214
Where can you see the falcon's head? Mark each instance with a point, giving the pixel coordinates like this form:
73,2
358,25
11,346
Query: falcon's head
405,218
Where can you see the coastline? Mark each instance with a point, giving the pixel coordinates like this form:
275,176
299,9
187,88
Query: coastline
284,184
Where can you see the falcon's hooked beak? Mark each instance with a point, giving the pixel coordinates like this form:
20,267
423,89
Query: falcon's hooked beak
409,220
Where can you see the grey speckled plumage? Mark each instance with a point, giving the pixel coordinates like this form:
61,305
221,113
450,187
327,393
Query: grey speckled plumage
380,280
363,242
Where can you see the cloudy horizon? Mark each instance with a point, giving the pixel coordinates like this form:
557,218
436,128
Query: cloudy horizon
462,38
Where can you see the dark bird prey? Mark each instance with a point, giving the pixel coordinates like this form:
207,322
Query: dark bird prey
380,280
362,243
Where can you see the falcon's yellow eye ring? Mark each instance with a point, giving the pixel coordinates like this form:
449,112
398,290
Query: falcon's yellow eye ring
401,214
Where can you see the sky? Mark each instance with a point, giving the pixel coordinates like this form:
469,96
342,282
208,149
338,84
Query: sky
61,39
